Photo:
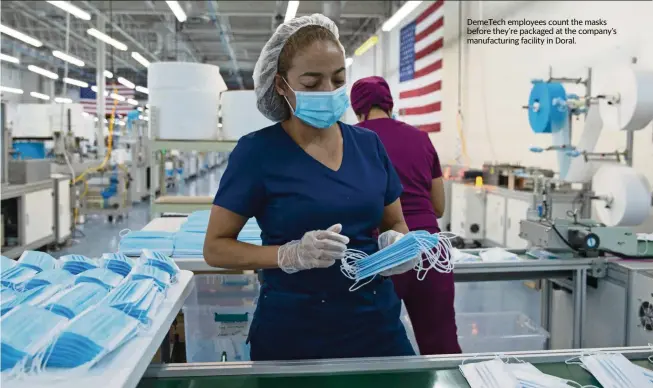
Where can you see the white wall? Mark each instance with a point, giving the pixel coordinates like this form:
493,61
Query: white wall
496,80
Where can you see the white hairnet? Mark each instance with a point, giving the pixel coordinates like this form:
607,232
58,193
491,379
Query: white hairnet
268,101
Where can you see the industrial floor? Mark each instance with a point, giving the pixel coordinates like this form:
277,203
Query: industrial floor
100,236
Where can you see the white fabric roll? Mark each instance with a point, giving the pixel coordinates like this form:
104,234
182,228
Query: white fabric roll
628,191
634,88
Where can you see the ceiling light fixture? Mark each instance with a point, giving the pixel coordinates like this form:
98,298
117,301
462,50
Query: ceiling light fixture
20,36
106,39
71,9
291,11
9,58
401,13
11,90
126,83
142,89
68,58
75,82
63,100
43,72
140,59
177,10
40,96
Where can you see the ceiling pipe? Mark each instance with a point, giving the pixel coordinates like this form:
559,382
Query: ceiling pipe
224,31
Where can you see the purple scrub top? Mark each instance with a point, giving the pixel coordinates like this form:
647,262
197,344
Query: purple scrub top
416,161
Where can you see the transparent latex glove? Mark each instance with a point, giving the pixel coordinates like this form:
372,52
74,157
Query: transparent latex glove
388,238
317,249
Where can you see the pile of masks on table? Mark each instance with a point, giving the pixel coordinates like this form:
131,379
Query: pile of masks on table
69,313
609,369
187,243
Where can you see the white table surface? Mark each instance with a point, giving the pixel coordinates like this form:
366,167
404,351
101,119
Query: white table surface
124,367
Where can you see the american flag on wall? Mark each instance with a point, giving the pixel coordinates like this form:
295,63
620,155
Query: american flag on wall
420,69
87,98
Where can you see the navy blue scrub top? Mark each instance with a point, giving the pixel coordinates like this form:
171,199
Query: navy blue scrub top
272,178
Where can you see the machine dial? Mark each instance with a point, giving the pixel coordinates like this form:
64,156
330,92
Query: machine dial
646,315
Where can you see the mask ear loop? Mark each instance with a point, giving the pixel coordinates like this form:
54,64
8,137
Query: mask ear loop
286,98
124,232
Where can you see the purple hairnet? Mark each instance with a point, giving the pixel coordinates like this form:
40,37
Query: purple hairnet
368,92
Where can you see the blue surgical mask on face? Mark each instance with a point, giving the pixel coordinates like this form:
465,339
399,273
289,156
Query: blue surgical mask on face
320,109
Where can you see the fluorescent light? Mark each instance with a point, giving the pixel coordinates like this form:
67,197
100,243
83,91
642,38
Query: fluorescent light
140,117
140,108
11,90
140,59
96,119
367,45
395,19
146,118
71,9
177,10
108,74
43,72
68,58
291,11
20,36
147,105
106,39
117,97
75,82
9,58
94,88
126,83
40,96
349,61
142,90
63,100
85,114
131,101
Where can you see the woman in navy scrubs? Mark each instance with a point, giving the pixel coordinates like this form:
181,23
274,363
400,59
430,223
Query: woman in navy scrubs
316,187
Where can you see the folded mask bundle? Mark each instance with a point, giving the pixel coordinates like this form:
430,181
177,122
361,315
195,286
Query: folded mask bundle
73,301
25,330
117,262
189,244
160,261
159,276
139,299
76,264
134,242
38,260
89,337
15,276
54,276
101,276
34,297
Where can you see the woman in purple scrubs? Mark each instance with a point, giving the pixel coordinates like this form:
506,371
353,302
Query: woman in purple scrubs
430,302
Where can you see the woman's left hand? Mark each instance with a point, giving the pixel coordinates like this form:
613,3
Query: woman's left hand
388,238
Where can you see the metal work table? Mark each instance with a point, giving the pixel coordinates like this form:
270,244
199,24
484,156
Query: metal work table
8,191
396,372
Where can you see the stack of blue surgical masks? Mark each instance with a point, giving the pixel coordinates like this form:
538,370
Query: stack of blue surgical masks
160,261
197,222
117,262
101,276
89,337
34,297
15,276
189,244
25,330
159,276
54,276
6,264
133,243
40,261
76,264
137,298
71,302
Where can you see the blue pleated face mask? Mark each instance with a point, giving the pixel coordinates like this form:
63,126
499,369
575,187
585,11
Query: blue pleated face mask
320,109
25,330
160,277
54,276
14,277
101,276
138,298
38,260
76,264
34,297
160,261
71,302
6,263
89,337
118,263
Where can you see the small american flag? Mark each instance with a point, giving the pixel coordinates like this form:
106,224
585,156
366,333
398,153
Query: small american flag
420,69
87,98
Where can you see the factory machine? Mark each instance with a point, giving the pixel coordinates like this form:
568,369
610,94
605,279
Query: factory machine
36,204
619,299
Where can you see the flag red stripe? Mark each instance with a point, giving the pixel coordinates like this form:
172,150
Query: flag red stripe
434,87
435,127
434,7
430,29
421,110
428,69
433,47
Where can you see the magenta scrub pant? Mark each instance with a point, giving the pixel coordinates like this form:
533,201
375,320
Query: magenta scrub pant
430,306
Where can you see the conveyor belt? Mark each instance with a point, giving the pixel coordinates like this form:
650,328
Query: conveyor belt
420,379
393,372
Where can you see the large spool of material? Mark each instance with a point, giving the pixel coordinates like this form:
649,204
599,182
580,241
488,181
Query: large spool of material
186,97
240,115
544,115
628,194
634,89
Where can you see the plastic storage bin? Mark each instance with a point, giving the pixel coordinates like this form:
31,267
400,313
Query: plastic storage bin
217,317
499,332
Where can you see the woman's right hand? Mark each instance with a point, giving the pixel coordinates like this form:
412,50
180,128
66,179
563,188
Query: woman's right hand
317,249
